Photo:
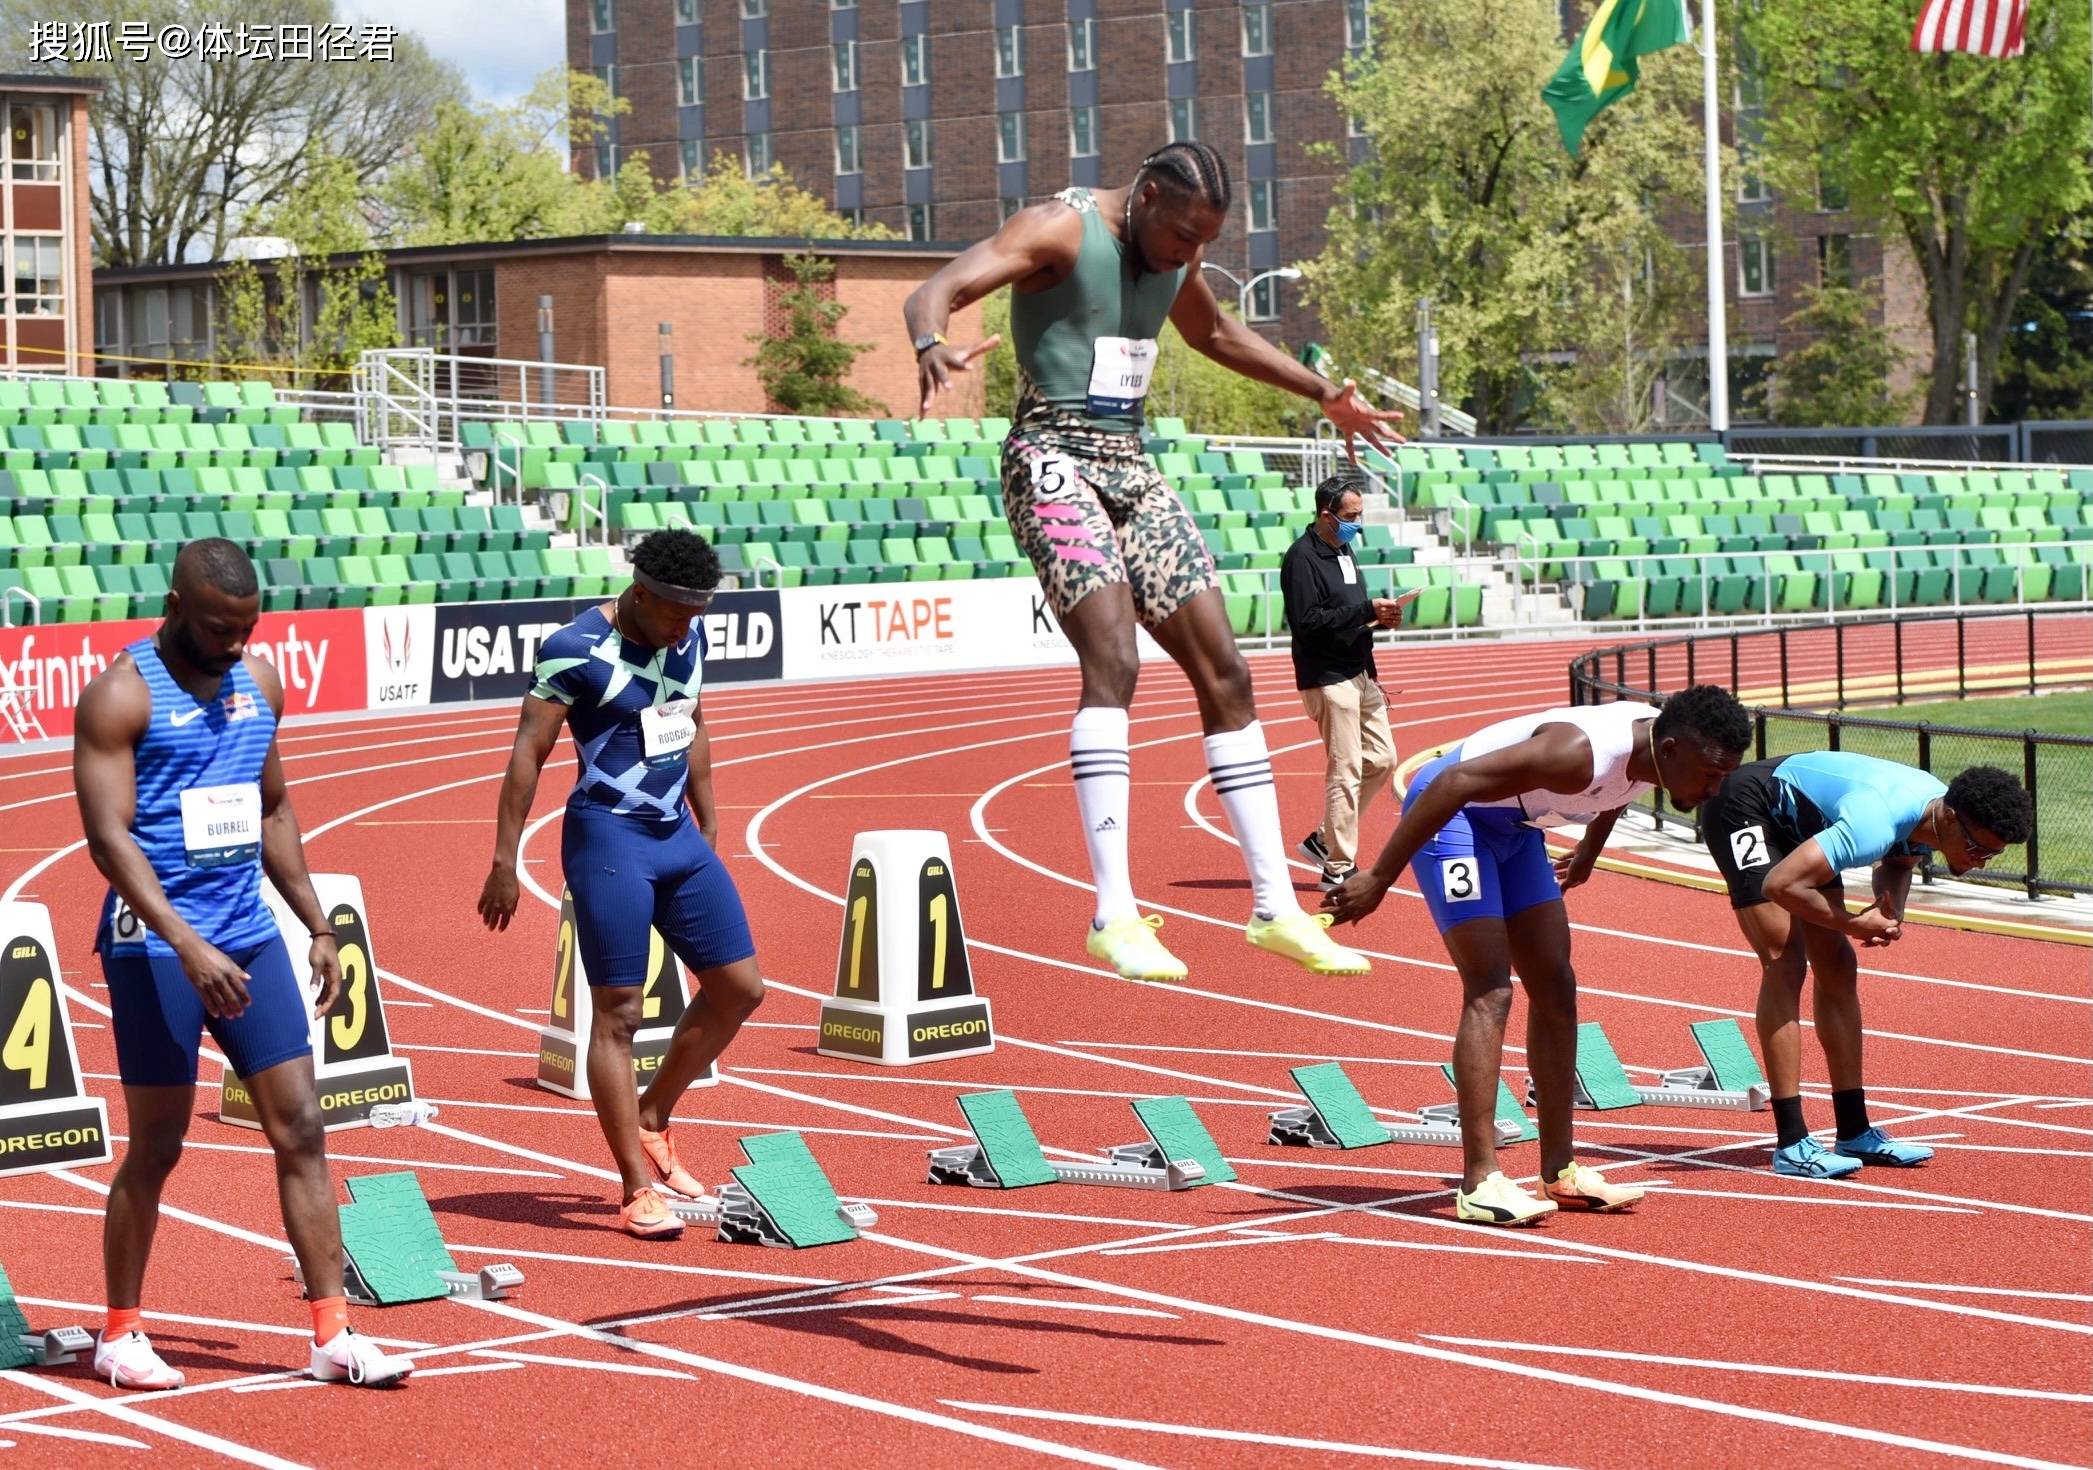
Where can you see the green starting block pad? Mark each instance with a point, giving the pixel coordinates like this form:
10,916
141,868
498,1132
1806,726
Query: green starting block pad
1338,1117
1600,1081
393,1251
1513,1126
1730,1078
1005,1154
54,1347
1174,1132
781,1197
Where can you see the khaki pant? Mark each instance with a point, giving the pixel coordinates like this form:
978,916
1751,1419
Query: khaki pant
1353,717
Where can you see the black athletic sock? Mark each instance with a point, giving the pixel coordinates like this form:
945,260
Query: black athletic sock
1851,1109
1787,1120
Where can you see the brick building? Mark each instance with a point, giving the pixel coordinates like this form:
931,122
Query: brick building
940,119
45,211
610,295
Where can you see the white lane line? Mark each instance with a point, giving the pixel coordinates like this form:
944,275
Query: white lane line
1464,1250
1208,1245
1280,1056
421,1373
2047,1296
85,1436
639,1370
1726,1366
503,1253
1245,1436
333,1157
830,1306
1811,1199
405,1344
1065,1306
120,1410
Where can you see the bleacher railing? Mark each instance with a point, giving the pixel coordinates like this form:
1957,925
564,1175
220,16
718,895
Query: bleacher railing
1798,679
29,600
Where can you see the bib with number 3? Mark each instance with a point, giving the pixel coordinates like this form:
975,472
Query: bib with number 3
222,825
666,731
1120,368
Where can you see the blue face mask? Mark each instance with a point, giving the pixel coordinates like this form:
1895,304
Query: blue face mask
1348,532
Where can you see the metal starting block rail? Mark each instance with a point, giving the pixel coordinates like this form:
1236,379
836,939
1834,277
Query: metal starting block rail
1006,1154
55,1347
1729,1079
781,1198
1336,1116
393,1250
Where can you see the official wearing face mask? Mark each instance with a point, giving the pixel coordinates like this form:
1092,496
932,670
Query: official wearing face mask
1333,620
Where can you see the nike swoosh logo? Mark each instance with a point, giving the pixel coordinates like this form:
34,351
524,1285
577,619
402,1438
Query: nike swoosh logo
185,719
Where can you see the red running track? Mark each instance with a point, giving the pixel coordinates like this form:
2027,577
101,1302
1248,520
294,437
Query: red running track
1326,1309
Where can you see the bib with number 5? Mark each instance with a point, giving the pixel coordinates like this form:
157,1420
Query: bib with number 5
666,731
1120,368
222,825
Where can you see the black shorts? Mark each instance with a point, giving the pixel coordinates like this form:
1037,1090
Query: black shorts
1752,823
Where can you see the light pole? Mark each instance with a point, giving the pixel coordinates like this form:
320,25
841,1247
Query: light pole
1243,288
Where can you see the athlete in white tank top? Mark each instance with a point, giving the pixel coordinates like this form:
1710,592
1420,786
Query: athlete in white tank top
1610,731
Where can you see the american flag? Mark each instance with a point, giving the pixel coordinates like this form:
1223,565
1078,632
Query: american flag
1983,27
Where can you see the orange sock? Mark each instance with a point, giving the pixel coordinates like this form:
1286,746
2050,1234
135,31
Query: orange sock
330,1314
121,1320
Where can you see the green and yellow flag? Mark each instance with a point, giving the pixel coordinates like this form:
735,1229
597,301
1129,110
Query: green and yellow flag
1604,62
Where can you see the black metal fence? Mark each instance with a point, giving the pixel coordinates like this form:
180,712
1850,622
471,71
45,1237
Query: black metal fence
1802,684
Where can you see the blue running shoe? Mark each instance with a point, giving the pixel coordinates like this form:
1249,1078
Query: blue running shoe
1877,1147
1810,1159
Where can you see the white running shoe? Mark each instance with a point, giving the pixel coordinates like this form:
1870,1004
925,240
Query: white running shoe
130,1362
348,1358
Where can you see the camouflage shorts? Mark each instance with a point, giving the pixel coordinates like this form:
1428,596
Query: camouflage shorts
1091,510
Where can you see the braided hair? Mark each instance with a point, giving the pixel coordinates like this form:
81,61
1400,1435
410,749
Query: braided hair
1188,170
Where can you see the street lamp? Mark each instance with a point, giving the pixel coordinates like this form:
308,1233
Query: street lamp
1244,288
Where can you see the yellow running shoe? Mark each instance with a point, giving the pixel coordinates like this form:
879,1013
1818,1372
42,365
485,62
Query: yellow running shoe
1579,1188
1498,1201
1305,939
1130,947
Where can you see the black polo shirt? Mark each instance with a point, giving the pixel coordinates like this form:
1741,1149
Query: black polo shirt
1328,608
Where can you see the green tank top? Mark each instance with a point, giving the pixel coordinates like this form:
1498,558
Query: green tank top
1056,331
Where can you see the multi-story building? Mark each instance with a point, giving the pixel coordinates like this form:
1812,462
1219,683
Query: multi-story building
941,119
47,316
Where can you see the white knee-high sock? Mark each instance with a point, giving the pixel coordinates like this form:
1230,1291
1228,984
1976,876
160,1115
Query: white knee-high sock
1242,773
1097,759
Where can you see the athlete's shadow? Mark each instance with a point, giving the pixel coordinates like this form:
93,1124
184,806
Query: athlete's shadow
200,1354
555,1209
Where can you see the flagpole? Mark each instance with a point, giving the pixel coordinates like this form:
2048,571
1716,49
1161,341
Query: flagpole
1718,325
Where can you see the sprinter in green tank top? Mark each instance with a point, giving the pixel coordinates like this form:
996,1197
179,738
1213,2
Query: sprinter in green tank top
1094,274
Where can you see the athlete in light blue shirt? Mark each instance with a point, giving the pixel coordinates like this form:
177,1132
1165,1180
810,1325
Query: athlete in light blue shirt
1782,832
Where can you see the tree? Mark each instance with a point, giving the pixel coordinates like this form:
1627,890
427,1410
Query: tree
803,368
1973,160
179,149
495,173
2046,366
1467,196
1842,375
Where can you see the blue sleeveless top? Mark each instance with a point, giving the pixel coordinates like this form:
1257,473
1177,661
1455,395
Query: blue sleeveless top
199,812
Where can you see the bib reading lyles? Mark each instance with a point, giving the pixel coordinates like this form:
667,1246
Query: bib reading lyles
666,731
1120,368
222,825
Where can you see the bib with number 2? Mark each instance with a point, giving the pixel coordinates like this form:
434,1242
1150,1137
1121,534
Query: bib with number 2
666,731
1120,368
222,825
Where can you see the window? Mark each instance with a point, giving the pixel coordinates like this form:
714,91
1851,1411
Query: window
1355,126
1754,266
109,316
602,17
919,222
33,141
39,284
608,75
691,160
1751,184
1183,115
848,160
755,74
1355,25
755,155
1263,213
1082,45
1182,40
1831,184
854,216
1835,260
1264,299
915,143
1010,204
845,5
690,87
754,9
1257,117
1010,52
915,60
844,66
1257,28
606,160
1751,81
149,322
1010,137
686,12
475,310
1082,132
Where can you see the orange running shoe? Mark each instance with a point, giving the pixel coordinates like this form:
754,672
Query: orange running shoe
647,1216
1579,1188
661,1158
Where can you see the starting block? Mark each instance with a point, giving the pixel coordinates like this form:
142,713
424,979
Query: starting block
1174,1132
1338,1117
54,1347
1005,1154
781,1197
393,1252
1730,1079
1509,1113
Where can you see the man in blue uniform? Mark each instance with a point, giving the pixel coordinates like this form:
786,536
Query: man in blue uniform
183,801
625,678
1782,831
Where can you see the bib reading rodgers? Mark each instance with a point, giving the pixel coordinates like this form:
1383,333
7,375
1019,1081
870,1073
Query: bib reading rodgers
1120,368
222,825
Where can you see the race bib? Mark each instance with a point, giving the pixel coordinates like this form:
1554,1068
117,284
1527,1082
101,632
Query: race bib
1120,368
124,929
1054,477
1748,847
1460,880
666,731
222,825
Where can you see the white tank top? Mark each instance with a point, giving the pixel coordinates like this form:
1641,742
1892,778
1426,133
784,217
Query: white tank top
1610,729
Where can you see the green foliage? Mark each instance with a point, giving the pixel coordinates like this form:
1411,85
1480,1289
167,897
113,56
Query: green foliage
1842,375
2046,366
1973,161
1468,198
803,369
999,368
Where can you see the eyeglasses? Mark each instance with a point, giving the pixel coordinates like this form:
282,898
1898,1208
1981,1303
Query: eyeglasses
1976,848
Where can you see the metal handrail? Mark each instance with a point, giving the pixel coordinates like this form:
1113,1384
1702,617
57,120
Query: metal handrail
36,605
